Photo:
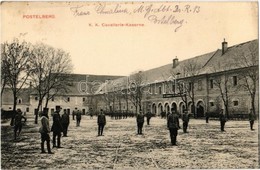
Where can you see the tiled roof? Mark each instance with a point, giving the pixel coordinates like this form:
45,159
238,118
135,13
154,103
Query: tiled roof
7,97
233,58
205,63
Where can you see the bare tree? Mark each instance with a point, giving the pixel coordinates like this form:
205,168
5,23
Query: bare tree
136,90
15,68
49,77
248,59
189,70
222,82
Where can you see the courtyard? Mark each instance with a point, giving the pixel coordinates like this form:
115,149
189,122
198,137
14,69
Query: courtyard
205,146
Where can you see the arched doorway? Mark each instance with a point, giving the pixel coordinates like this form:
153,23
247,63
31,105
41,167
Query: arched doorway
167,107
174,107
154,110
182,107
160,108
200,109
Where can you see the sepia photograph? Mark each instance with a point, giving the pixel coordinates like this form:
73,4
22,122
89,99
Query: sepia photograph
130,85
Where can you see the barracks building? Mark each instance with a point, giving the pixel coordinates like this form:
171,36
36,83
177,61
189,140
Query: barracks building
206,83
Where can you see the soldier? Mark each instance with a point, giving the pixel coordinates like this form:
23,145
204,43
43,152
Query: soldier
185,120
74,113
148,117
65,121
18,123
140,122
101,122
78,117
207,117
56,128
251,119
222,120
45,130
173,126
91,113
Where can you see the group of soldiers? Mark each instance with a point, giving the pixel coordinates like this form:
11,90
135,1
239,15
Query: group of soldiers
61,123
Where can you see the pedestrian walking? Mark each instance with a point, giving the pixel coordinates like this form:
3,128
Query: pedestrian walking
251,119
140,122
18,124
56,128
185,120
45,131
222,119
173,126
101,121
78,117
65,121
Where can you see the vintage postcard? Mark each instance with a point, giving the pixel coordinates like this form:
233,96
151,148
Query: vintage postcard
129,85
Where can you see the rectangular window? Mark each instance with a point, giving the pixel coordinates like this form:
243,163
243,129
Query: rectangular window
83,99
211,104
52,111
68,99
36,98
160,90
52,99
235,103
27,109
190,86
199,85
211,83
173,87
234,80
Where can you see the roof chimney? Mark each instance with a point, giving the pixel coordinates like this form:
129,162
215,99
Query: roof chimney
175,62
224,46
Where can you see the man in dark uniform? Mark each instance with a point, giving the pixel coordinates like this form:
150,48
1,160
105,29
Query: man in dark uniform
207,117
185,120
74,112
140,122
56,128
173,126
222,119
78,117
148,117
18,123
251,119
65,121
101,122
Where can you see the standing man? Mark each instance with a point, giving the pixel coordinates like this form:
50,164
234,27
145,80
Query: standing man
222,119
56,128
101,122
207,117
45,130
65,121
251,119
78,117
140,122
148,117
18,123
185,120
74,113
91,113
173,126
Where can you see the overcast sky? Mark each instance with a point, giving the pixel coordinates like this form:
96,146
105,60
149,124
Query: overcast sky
121,50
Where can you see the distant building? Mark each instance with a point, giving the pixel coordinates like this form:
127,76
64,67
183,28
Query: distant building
200,73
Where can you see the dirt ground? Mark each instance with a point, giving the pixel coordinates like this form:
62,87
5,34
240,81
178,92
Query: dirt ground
205,146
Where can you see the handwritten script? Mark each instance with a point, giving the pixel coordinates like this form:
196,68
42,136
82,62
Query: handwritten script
161,14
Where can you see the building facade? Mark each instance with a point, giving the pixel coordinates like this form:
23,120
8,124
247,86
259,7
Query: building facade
223,79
